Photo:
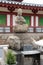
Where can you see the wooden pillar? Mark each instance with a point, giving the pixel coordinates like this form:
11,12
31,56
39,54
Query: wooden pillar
11,23
34,22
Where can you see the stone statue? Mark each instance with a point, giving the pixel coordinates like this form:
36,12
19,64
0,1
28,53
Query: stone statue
19,18
14,42
21,25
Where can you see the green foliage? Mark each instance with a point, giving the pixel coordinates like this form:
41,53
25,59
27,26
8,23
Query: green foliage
11,58
2,19
27,18
41,21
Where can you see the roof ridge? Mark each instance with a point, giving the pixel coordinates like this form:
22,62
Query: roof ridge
21,3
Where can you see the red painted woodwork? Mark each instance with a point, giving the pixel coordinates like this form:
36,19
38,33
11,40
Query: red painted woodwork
24,14
11,8
11,23
34,10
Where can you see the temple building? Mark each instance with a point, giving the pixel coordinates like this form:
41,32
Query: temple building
33,14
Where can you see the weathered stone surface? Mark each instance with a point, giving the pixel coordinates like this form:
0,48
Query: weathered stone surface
21,25
14,42
20,28
25,38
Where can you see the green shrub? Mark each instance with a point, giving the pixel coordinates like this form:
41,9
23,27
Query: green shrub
10,58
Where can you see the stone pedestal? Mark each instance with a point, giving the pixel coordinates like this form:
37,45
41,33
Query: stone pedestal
24,38
20,28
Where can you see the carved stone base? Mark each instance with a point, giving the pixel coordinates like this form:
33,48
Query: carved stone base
20,28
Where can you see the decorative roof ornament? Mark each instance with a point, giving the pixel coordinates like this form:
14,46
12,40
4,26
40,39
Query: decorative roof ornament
34,11
11,9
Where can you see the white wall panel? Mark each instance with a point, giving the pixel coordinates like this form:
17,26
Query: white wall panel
8,20
36,20
32,20
14,17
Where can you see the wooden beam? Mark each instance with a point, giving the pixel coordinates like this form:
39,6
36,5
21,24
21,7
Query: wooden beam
13,6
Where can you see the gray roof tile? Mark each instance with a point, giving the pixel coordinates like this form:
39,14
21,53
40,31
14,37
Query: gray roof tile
21,3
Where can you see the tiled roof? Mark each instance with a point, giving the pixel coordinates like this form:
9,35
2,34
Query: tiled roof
21,3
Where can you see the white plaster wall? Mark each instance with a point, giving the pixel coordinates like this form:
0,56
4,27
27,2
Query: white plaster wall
14,17
8,20
4,9
32,20
25,11
40,12
36,20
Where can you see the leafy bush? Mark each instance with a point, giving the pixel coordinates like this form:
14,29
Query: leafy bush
10,58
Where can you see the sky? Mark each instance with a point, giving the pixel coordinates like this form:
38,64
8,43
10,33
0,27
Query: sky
34,1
